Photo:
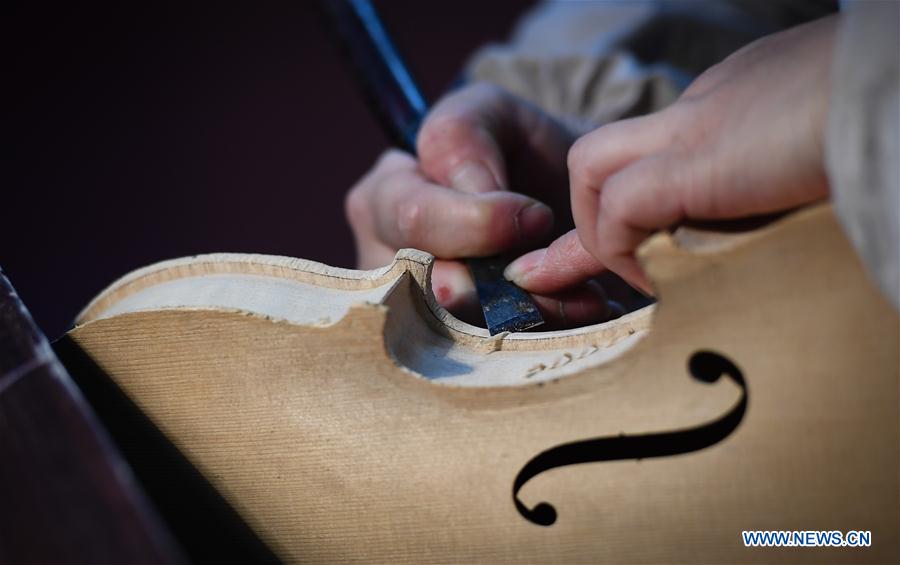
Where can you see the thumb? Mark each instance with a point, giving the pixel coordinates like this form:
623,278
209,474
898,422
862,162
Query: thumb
458,143
561,266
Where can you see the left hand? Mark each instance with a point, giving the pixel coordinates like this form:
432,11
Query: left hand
457,200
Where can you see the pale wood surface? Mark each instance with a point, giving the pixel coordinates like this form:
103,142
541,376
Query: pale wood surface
341,439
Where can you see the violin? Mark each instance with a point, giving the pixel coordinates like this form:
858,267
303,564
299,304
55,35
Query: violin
344,415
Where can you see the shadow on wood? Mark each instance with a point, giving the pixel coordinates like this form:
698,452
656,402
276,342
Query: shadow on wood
206,526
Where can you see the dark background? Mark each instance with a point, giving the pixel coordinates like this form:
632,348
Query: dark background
145,132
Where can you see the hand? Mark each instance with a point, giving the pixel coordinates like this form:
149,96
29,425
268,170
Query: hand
746,138
455,202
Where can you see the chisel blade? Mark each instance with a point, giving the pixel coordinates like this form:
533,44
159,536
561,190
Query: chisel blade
506,307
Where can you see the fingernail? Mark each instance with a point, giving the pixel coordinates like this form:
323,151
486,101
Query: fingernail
473,177
455,289
534,220
518,270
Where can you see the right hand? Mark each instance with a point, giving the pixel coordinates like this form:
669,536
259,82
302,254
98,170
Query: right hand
455,201
745,139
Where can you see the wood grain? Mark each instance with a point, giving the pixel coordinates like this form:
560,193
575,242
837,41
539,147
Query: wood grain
761,393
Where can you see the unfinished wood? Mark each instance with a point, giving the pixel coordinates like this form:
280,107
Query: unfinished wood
761,393
428,340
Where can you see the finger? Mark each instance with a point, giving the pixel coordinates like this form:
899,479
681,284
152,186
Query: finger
454,289
586,304
372,254
564,264
639,200
370,251
412,212
603,152
458,142
394,160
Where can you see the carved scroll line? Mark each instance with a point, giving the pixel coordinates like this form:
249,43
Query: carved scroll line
705,366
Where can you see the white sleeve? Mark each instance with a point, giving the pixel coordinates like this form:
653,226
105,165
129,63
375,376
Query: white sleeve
862,148
590,63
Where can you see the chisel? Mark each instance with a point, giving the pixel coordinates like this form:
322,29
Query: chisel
400,106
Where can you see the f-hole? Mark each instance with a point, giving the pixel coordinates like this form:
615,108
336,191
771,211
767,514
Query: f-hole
706,366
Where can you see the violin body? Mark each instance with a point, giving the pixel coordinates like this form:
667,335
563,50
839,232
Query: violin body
346,416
